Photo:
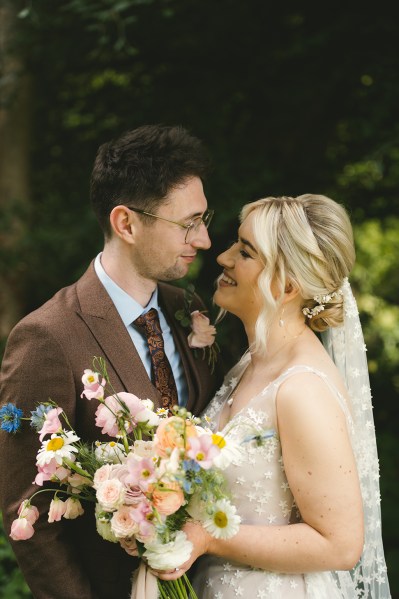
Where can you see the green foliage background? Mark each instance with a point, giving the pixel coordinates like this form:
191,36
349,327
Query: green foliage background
289,99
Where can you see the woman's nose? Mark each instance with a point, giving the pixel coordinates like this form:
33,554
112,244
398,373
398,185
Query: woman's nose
226,258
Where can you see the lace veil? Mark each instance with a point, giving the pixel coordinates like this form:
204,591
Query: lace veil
346,346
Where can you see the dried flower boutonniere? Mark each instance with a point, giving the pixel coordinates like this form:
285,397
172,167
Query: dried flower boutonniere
202,335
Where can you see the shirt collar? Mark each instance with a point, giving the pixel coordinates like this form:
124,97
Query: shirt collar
127,307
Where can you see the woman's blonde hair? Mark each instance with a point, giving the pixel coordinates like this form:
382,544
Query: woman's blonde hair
306,241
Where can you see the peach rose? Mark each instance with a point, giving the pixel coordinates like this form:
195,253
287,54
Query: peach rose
167,497
170,434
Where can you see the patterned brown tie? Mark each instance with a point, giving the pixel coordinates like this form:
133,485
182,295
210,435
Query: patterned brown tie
161,370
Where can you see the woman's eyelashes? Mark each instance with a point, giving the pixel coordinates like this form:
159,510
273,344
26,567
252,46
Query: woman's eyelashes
241,250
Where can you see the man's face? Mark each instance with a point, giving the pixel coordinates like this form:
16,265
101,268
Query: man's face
161,253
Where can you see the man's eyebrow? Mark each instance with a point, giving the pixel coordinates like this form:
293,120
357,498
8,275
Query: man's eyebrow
248,243
190,217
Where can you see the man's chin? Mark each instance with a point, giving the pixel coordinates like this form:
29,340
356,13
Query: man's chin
174,273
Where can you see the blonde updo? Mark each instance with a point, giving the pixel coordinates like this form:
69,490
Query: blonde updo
306,241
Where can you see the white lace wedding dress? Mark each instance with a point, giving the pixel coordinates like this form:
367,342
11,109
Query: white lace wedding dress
262,495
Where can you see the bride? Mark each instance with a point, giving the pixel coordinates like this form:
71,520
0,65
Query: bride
306,485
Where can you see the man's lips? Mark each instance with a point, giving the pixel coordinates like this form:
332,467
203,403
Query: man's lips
189,258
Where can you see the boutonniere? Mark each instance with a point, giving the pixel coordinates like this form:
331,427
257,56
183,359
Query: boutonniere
202,335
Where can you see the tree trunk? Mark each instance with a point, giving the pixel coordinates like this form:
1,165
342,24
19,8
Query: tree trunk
15,92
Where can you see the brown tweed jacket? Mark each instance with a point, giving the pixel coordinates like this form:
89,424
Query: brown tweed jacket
45,357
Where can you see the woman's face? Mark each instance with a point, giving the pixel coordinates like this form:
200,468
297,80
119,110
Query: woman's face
237,289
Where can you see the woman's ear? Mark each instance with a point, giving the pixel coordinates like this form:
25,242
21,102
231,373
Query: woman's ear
123,223
290,291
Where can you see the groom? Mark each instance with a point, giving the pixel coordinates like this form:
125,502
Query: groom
147,194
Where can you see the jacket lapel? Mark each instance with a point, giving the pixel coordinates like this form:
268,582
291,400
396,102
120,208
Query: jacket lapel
100,315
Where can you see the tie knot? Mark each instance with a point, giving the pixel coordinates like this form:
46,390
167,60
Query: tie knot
149,322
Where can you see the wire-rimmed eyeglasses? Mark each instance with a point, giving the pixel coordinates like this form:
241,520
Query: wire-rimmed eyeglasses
192,227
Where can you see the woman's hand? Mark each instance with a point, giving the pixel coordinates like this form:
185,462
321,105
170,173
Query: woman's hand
200,540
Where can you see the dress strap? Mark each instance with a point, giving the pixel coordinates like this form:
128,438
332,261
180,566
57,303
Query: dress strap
301,368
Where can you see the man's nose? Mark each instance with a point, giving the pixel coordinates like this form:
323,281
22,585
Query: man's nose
201,239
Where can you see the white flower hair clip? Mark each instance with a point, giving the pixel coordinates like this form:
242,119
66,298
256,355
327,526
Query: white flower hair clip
321,301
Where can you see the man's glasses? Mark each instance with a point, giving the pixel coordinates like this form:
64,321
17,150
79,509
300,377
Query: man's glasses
191,228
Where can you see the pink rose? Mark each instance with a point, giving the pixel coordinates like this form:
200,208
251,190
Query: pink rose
123,523
21,530
28,511
52,423
102,474
110,494
203,333
57,510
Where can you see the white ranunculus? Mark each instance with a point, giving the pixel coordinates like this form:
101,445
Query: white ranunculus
168,556
148,404
147,416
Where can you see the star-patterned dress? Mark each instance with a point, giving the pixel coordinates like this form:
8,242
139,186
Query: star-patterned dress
262,495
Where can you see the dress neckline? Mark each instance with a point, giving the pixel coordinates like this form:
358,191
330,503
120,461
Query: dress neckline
305,367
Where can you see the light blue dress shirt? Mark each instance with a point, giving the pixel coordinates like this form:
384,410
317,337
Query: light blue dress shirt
129,310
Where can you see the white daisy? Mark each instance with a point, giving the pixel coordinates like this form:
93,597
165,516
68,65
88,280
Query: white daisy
57,448
224,522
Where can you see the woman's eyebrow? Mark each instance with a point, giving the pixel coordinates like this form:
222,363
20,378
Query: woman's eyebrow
248,243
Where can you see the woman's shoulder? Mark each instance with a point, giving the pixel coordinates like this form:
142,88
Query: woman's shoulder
310,387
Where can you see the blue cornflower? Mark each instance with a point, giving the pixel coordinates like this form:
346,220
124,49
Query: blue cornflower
10,418
260,438
188,487
191,466
38,416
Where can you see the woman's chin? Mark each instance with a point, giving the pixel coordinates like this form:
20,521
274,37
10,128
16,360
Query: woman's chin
218,299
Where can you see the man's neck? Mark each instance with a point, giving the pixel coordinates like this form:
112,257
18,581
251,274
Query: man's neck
122,272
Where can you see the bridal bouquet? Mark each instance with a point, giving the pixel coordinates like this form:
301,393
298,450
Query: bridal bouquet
155,474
